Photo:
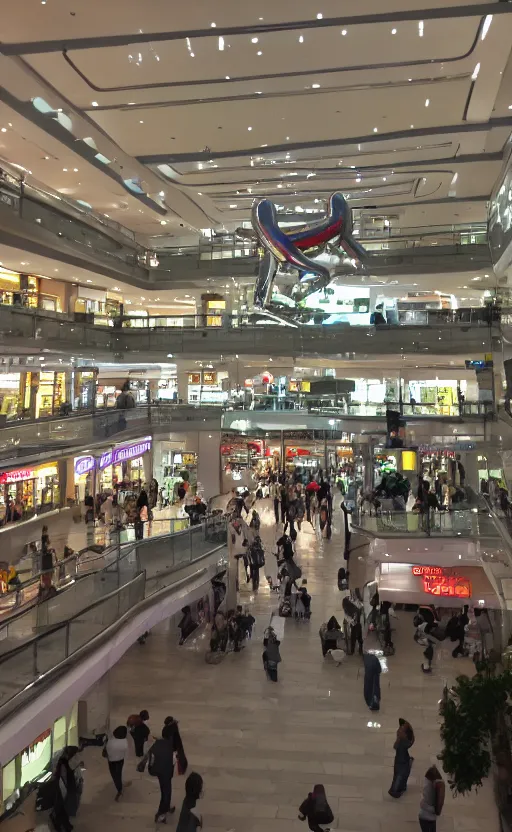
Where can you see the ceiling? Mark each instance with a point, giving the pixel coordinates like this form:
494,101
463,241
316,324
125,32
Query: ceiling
171,118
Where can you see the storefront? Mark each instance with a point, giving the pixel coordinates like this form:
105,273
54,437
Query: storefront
451,587
177,466
84,472
31,489
167,390
33,764
121,469
11,394
51,393
206,387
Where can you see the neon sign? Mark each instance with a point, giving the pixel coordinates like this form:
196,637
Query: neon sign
441,583
18,476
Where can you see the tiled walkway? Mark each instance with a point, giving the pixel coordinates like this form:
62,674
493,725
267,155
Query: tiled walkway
262,746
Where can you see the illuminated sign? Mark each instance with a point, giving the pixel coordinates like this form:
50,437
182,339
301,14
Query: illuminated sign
84,464
17,476
441,583
124,453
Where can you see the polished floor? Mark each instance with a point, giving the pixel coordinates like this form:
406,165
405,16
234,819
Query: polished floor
261,747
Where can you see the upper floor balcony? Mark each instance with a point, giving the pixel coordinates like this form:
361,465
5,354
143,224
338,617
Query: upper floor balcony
467,331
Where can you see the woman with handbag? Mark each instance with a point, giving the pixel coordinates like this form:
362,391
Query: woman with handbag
316,810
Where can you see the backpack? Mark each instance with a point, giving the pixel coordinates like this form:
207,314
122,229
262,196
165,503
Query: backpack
160,760
322,812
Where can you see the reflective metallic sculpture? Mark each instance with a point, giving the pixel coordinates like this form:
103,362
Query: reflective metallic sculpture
297,248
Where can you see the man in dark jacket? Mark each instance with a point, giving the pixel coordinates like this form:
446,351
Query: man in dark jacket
160,758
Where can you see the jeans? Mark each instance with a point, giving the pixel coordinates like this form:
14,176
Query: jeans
116,772
165,782
427,825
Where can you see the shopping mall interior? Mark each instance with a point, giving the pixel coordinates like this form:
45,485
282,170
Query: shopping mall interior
255,416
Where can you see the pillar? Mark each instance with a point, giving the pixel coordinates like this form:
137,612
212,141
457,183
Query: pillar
69,491
208,462
94,709
182,377
147,466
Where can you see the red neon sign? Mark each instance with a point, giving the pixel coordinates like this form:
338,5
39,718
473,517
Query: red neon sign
441,583
17,476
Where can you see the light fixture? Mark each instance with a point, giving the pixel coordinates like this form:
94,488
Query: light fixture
75,170
375,130
358,178
319,16
170,355
227,77
141,122
427,102
384,179
163,222
199,193
301,38
421,28
249,129
213,25
393,31
343,32
315,86
254,40
116,289
233,206
412,126
221,44
4,129
65,170
94,103
259,53
475,72
486,26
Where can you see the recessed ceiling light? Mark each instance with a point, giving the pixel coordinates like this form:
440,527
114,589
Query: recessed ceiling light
375,130
65,170
4,129
259,53
287,139
315,86
233,206
199,193
221,44
141,122
343,32
427,102
249,128
213,25
163,222
412,126
75,170
301,38
254,40
393,31
319,16
55,270
94,103
421,28
89,281
384,179
227,77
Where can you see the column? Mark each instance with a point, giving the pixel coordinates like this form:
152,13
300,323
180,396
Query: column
147,466
94,709
182,378
208,462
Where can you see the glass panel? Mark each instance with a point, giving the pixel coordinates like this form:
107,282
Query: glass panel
8,780
35,758
59,734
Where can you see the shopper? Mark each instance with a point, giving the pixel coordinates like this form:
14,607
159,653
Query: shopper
142,514
160,759
137,725
372,671
403,762
271,655
115,752
316,810
432,799
190,818
172,724
274,494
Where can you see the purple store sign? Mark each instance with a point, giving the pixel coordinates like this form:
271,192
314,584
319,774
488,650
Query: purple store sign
124,453
84,464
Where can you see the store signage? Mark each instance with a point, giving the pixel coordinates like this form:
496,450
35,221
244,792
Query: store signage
84,464
17,476
130,451
267,378
441,583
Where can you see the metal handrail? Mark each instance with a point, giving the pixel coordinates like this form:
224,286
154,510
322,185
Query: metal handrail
140,580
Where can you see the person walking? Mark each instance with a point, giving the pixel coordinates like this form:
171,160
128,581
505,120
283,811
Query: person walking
316,810
274,493
432,799
160,760
137,725
190,818
115,751
372,671
403,762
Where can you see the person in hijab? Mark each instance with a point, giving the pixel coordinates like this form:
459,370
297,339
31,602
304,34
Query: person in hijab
372,671
316,810
142,514
403,762
190,818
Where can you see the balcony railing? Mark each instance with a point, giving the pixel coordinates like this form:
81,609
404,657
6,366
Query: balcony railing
473,523
77,615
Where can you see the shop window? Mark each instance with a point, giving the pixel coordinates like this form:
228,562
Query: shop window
73,725
59,734
36,758
8,781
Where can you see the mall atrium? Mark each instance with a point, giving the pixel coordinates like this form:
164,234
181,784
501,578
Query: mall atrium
255,386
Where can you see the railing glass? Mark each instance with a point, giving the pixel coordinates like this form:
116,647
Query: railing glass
468,523
75,617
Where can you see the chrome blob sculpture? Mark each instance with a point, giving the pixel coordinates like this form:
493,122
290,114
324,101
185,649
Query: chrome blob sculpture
297,249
